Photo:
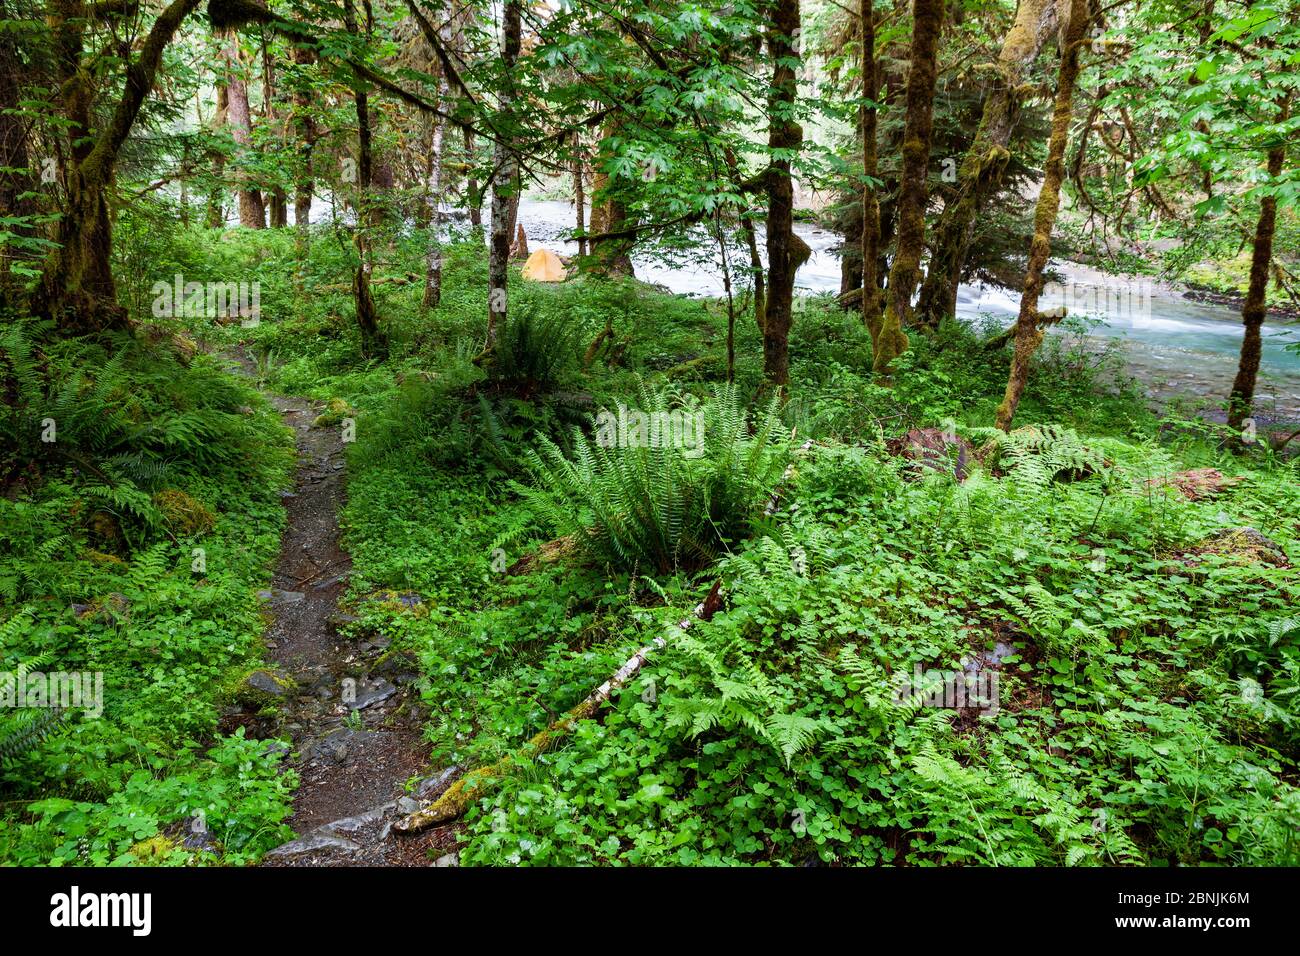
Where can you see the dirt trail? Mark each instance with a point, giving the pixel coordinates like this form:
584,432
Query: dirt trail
352,709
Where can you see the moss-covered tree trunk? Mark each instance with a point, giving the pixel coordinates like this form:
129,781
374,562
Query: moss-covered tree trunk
15,178
215,216
611,247
868,121
599,211
305,132
1028,334
913,192
277,205
784,138
612,231
851,254
473,194
77,289
1255,307
981,172
505,182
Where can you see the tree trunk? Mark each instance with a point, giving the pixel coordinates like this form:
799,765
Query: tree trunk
579,199
985,162
252,214
756,267
278,208
373,342
611,243
891,341
77,288
15,177
216,214
611,246
278,211
870,237
184,176
306,129
82,283
851,251
1028,335
505,181
1255,308
473,195
751,243
786,136
433,197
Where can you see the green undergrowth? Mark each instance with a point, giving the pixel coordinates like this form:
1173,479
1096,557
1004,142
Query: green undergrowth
132,544
1147,711
1147,649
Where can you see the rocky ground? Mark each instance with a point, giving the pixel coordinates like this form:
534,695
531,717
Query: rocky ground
348,702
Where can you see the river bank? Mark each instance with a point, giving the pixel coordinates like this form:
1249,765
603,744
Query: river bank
1183,351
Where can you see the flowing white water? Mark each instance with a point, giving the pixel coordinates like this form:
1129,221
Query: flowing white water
1173,344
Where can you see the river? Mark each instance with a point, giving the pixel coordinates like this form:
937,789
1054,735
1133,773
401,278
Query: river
1174,345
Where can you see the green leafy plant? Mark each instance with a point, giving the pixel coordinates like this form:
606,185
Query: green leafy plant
650,504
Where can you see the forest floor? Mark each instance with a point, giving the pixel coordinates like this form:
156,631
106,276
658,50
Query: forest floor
1143,569
356,733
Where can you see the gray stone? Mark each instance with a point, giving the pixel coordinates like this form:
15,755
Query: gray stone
371,692
429,784
317,840
407,805
352,824
339,745
284,597
266,683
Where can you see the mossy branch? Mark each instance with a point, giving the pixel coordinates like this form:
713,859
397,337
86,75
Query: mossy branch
457,798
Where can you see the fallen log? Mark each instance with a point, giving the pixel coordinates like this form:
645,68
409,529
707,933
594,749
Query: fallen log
456,799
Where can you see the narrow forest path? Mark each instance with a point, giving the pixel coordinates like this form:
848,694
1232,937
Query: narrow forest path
352,709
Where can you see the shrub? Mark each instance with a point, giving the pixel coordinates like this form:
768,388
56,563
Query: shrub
637,500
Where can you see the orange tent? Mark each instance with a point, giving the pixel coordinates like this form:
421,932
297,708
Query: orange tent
544,266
